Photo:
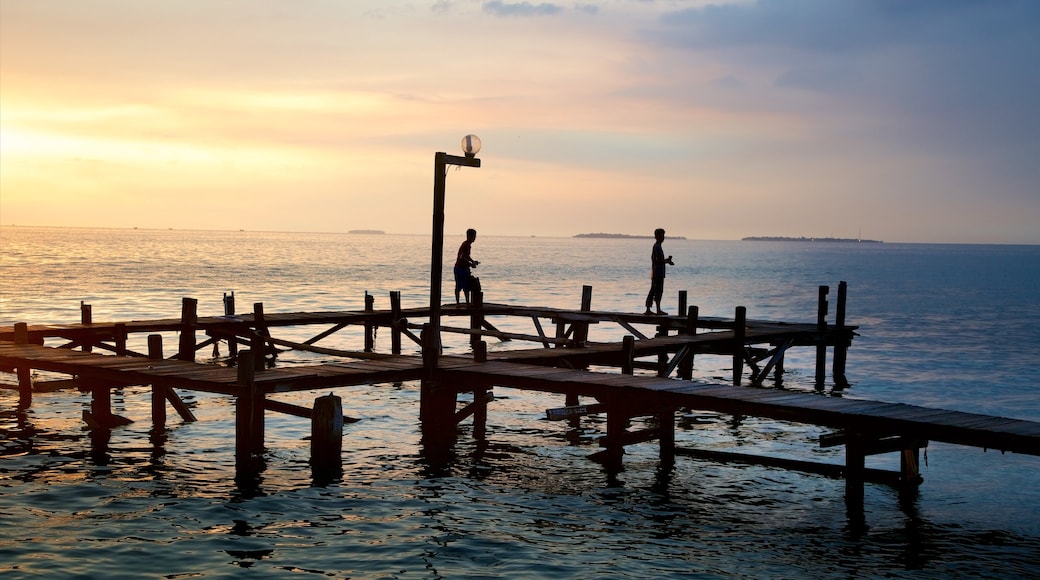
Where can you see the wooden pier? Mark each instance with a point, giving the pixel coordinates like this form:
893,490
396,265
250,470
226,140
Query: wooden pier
556,362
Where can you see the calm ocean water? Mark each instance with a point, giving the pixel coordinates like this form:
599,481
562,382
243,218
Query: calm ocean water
949,326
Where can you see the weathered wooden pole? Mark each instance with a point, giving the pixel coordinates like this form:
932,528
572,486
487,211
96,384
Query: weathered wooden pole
155,352
249,415
327,432
21,336
821,339
229,310
436,402
86,318
395,316
581,329
841,342
476,316
259,345
686,364
119,335
189,321
666,434
682,302
370,328
739,332
855,470
628,350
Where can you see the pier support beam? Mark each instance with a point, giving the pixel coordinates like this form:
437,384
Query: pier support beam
739,332
249,417
327,433
25,386
821,339
841,340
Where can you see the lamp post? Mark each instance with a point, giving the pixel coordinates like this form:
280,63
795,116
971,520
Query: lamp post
470,147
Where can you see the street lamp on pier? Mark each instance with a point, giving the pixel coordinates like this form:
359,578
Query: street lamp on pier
441,161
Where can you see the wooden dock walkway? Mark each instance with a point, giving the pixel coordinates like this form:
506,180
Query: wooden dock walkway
559,365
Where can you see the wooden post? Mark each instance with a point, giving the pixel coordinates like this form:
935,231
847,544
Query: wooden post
581,329
855,470
476,316
739,332
480,398
821,339
682,302
628,350
395,315
21,336
229,310
909,469
480,351
86,318
327,432
119,337
686,364
259,345
662,358
617,424
249,415
189,320
370,328
158,391
666,435
841,343
436,403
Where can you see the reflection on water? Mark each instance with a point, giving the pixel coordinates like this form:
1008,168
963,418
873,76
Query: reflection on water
525,502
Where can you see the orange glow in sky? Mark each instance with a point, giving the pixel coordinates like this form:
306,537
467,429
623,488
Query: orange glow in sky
615,116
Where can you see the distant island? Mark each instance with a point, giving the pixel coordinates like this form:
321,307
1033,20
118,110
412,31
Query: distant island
805,239
366,232
626,236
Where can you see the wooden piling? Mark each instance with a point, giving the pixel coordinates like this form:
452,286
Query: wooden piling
259,345
841,342
327,432
119,335
436,402
21,336
189,321
686,363
628,349
395,316
855,471
249,415
581,329
155,352
739,333
666,434
370,328
229,310
476,316
821,340
86,317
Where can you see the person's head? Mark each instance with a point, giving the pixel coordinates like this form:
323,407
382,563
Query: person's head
471,234
659,233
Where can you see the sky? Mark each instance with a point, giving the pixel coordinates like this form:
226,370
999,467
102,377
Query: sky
895,120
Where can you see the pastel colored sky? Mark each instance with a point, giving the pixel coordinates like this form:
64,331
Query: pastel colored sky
905,121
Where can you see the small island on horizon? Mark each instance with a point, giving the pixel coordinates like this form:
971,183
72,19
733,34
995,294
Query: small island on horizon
624,236
366,232
805,239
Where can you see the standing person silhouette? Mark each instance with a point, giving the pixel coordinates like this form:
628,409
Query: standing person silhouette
463,264
657,270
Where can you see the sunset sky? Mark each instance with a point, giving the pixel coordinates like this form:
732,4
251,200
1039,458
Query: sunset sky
904,121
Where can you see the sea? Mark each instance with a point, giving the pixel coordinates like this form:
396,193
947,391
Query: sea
938,325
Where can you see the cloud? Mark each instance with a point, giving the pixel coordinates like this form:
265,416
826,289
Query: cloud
952,75
521,8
